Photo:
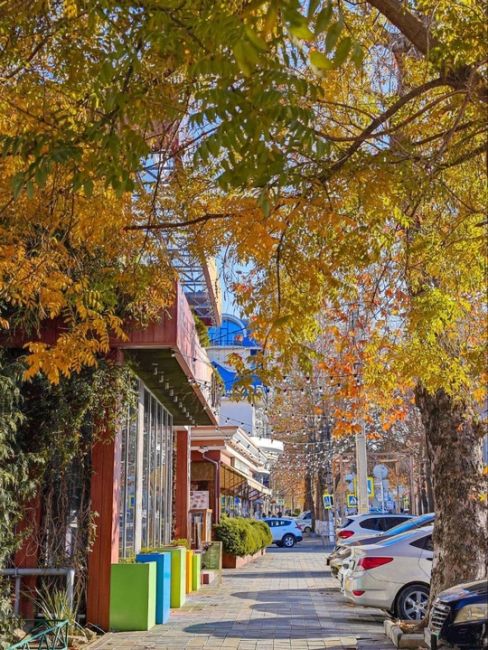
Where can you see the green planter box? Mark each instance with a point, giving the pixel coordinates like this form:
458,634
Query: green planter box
197,571
212,557
133,597
178,574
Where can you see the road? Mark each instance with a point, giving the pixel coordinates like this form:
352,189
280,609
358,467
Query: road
284,600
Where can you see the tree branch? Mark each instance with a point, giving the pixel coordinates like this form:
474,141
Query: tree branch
409,25
167,225
415,92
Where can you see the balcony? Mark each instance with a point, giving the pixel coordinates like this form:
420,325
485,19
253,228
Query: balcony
168,357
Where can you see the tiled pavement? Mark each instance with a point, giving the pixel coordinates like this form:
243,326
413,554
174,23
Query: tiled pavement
284,600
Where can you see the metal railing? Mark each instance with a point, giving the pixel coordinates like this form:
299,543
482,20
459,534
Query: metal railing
18,574
45,635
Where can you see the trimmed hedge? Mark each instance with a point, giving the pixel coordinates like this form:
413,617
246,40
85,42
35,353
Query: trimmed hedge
241,536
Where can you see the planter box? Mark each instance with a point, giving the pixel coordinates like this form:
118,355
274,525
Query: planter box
133,597
163,582
212,557
197,571
189,572
178,574
234,561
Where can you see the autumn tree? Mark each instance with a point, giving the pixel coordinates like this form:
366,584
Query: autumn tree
336,151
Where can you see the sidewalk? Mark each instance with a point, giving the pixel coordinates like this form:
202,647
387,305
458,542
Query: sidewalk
284,600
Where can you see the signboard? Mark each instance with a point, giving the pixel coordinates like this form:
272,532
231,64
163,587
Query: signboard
370,486
199,499
352,501
328,500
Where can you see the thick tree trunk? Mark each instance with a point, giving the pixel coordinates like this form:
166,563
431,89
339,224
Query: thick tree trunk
454,443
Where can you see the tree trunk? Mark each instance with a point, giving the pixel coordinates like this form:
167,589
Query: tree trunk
454,442
309,500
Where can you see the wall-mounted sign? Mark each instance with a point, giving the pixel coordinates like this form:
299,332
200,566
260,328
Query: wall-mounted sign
199,500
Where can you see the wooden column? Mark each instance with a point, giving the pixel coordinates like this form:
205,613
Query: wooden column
182,484
105,491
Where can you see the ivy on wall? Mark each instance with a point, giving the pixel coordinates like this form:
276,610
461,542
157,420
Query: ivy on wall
46,435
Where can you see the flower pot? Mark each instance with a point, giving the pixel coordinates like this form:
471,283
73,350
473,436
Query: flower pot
178,574
132,597
163,582
197,571
189,572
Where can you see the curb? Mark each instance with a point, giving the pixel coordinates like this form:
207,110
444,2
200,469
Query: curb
402,639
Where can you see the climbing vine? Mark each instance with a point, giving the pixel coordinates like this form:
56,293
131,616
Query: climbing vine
46,435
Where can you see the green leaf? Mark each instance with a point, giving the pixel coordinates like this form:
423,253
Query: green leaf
333,34
320,61
312,7
240,54
17,184
302,32
357,55
342,51
256,40
323,19
88,187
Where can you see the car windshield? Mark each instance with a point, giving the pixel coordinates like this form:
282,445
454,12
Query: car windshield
410,524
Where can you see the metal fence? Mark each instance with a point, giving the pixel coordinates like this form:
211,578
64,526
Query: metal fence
45,635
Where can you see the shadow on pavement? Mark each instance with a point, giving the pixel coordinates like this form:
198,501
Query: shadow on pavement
282,574
292,614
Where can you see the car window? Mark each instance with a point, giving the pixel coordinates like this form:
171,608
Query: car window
389,522
410,524
424,543
394,521
347,523
390,541
371,523
285,522
271,522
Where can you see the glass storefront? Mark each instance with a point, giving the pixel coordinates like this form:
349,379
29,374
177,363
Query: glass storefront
146,477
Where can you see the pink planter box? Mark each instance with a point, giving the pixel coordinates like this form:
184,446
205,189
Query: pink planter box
234,561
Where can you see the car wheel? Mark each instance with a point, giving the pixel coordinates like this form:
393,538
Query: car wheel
307,529
412,603
288,541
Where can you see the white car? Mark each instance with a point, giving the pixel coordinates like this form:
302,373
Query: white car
393,575
304,521
358,527
285,531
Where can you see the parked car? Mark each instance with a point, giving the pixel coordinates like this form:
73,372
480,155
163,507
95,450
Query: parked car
285,532
459,617
304,521
343,548
393,575
362,526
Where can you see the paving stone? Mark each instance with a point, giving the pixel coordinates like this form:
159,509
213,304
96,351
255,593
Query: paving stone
285,600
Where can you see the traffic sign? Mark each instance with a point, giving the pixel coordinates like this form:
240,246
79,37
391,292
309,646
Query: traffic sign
352,501
328,500
370,486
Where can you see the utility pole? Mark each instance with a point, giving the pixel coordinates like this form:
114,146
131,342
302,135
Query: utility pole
362,473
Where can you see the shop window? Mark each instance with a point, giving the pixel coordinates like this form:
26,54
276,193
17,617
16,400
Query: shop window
156,439
128,482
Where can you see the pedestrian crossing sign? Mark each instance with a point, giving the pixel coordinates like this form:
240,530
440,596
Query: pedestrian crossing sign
328,500
352,501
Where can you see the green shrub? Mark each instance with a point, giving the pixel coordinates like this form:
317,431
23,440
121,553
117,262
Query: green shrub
241,536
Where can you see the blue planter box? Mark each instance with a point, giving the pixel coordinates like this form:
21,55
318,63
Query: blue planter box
163,582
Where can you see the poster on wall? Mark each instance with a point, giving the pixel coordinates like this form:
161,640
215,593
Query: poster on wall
199,500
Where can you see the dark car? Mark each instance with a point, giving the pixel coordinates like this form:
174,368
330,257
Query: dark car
459,617
343,551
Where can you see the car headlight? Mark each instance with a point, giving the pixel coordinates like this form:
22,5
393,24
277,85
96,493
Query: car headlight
472,613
